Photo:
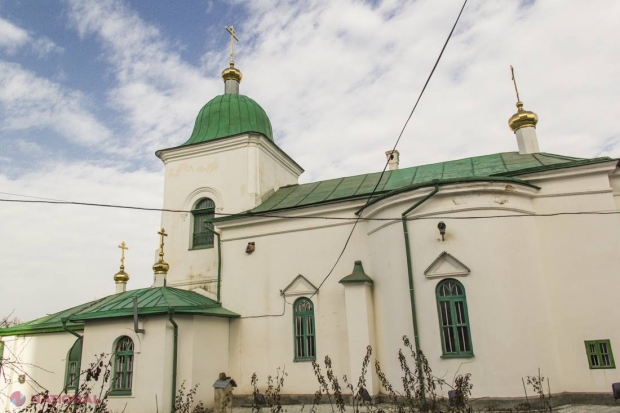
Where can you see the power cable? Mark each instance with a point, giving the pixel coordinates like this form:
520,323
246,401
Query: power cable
30,196
393,149
272,315
524,215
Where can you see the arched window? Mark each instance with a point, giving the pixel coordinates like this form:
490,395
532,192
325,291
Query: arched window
74,359
204,209
303,325
453,319
123,366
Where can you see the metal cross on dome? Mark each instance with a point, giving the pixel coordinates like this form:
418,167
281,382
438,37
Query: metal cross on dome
162,234
233,37
123,247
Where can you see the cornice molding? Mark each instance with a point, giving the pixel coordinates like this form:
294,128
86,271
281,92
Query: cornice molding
452,189
606,167
228,144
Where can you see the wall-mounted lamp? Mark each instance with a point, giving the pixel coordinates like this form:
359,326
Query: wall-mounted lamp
442,229
250,248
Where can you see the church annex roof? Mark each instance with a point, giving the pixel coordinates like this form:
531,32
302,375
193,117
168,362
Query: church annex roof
497,167
228,115
151,301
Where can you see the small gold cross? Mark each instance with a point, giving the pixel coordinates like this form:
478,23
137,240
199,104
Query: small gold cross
233,37
162,234
123,247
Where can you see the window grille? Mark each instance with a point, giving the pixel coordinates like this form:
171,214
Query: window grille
453,319
201,237
303,325
74,359
123,366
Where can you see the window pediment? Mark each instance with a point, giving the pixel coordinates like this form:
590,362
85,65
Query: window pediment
446,265
299,286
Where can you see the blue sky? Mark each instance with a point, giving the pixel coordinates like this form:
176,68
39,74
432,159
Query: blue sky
90,89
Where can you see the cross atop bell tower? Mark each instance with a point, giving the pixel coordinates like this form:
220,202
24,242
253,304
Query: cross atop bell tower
231,75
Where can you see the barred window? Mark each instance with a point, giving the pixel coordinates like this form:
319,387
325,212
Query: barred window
453,319
303,325
74,359
123,366
201,237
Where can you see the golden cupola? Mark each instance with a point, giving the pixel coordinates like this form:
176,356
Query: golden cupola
232,73
522,118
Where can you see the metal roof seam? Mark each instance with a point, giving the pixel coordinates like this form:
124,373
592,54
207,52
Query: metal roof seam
333,190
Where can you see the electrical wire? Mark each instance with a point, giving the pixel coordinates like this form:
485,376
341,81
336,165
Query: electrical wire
400,135
524,215
30,196
272,315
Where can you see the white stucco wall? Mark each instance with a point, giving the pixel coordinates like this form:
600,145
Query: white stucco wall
251,286
538,286
152,359
202,353
236,173
530,306
41,358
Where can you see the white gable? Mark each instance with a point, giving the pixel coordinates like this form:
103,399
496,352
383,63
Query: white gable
299,286
446,266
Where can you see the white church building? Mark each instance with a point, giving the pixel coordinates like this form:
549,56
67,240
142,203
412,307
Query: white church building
494,265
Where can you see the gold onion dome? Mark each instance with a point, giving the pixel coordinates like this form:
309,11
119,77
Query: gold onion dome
161,267
121,277
522,118
231,73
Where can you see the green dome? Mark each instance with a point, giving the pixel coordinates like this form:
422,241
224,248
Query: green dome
229,115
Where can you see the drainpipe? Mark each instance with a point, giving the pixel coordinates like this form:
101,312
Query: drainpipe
64,327
416,336
135,317
219,259
174,358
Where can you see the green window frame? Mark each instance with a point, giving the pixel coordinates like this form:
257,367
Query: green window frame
600,355
453,320
303,330
74,361
123,367
203,210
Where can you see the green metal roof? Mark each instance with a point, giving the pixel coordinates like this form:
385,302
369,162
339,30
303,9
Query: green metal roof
151,301
49,324
229,115
498,167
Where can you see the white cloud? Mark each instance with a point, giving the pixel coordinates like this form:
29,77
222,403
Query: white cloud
13,37
338,79
29,147
335,75
158,94
29,102
66,255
